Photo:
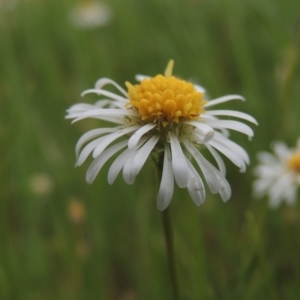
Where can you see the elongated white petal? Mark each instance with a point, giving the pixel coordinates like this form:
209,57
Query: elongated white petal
114,120
78,108
195,185
281,150
105,93
234,125
267,158
128,172
106,103
231,113
269,171
209,176
178,162
143,153
216,182
118,164
218,159
204,128
129,169
104,81
240,151
140,77
225,191
90,135
223,99
237,160
166,188
260,187
199,88
105,112
277,190
138,134
99,162
112,137
87,150
120,161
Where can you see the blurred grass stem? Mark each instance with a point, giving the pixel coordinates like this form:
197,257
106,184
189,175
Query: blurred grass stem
166,220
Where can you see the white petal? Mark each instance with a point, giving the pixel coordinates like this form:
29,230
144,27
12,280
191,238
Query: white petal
140,77
115,120
143,153
87,150
106,103
267,158
78,108
112,137
118,164
218,159
199,88
216,182
129,173
277,190
195,185
236,159
211,180
138,134
104,81
234,125
261,187
281,150
105,112
223,99
204,128
225,189
166,188
240,151
178,162
105,93
90,135
99,162
120,161
231,113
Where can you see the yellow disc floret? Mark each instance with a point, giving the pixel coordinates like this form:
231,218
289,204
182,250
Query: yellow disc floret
294,162
166,98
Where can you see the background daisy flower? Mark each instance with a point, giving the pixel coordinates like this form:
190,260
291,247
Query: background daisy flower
167,116
278,174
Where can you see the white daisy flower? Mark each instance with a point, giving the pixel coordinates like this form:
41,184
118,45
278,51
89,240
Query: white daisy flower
90,14
167,116
278,174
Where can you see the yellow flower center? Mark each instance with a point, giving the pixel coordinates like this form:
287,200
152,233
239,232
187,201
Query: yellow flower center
166,98
294,162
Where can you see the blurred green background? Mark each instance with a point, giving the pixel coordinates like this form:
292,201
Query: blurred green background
64,239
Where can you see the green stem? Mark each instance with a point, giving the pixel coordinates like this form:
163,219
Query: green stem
170,252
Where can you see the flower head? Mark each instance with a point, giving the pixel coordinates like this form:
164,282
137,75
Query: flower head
278,174
168,117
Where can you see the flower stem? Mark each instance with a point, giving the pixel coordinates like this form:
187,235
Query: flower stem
170,252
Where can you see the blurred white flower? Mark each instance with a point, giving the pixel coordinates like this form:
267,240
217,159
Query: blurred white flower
90,14
278,174
167,116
